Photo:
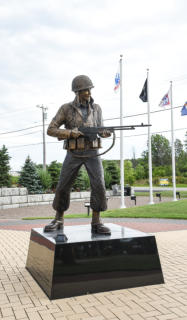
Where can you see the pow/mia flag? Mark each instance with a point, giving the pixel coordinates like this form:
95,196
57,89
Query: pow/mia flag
143,94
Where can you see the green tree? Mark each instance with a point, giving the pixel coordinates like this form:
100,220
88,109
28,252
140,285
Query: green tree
5,180
45,179
185,141
54,170
29,177
112,170
78,184
129,172
82,181
159,171
179,152
168,170
161,151
86,179
139,172
143,161
39,166
107,178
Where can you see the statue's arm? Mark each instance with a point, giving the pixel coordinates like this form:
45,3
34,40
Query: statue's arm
54,126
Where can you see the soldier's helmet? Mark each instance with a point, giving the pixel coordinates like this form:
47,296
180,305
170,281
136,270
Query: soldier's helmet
81,83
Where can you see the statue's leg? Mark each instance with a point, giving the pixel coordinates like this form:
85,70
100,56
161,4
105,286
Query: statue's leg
98,200
61,201
56,224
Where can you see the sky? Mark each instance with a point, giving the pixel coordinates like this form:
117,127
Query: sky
46,43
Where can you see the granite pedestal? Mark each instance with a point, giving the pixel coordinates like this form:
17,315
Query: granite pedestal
86,264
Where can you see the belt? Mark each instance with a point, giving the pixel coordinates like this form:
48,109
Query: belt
82,144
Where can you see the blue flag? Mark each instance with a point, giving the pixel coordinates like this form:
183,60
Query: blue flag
184,110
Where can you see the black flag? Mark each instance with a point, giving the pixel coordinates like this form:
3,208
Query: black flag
143,94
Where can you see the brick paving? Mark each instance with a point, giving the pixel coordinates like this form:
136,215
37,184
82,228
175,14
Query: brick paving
22,298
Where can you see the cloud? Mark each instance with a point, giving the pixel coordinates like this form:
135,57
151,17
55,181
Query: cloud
45,44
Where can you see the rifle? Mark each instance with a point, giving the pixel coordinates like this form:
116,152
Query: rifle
92,132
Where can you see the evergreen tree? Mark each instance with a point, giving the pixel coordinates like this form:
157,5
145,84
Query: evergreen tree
107,178
79,183
54,170
4,168
86,179
113,170
29,177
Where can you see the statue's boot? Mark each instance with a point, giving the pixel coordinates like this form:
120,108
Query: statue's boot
97,227
56,224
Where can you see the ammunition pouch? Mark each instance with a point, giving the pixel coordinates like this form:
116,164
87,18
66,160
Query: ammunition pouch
81,143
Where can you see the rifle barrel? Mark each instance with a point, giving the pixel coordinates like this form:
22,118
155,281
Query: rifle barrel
91,130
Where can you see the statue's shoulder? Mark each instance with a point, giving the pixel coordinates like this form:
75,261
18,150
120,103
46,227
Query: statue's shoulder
96,107
66,107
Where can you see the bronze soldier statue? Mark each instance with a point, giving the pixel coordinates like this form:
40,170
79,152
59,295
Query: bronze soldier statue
82,112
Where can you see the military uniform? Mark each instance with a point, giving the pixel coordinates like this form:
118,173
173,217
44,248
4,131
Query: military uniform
82,112
71,116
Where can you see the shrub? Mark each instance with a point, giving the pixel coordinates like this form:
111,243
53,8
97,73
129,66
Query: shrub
45,179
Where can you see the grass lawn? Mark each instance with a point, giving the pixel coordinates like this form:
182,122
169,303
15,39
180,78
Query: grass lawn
163,210
178,185
168,194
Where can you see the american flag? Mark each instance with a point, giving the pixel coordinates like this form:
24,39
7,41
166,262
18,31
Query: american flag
117,81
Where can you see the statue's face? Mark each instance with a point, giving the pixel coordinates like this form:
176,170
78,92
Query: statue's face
84,95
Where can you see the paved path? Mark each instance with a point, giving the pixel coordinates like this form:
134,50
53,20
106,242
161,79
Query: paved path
75,207
144,225
10,219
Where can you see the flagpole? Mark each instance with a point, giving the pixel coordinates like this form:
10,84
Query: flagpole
173,145
149,145
121,138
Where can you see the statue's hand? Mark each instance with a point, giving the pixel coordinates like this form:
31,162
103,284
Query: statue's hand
75,133
67,134
105,133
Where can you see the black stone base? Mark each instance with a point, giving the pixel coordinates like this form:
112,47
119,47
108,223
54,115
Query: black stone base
86,264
